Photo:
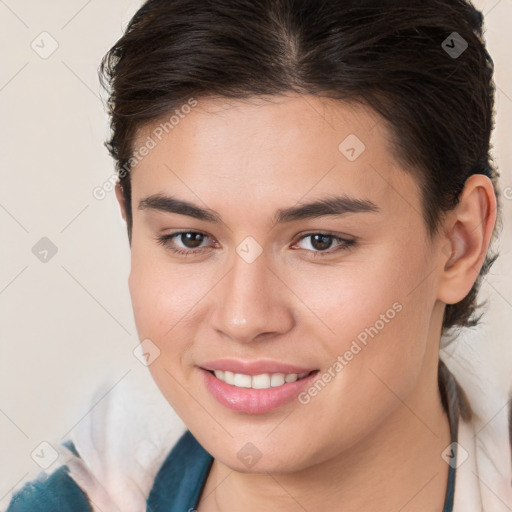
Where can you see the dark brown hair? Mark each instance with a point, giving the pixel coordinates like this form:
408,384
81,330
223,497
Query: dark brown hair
421,64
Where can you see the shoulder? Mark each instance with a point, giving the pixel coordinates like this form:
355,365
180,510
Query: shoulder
55,492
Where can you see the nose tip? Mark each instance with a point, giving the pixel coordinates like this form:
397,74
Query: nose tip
251,305
239,322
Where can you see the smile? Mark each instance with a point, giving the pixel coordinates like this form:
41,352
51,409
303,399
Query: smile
262,381
258,393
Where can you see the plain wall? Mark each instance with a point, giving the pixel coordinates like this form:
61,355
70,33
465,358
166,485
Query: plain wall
67,323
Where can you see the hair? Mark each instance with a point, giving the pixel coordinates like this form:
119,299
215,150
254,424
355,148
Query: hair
390,55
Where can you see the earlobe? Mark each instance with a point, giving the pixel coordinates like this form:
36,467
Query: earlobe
468,234
121,199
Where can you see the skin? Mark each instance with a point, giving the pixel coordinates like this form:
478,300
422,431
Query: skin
373,437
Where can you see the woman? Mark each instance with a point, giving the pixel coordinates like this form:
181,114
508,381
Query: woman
309,199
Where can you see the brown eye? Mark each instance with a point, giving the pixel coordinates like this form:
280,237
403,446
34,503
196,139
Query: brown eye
186,243
321,242
324,244
191,240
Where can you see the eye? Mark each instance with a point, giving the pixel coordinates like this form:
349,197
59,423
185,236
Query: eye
184,242
188,243
320,243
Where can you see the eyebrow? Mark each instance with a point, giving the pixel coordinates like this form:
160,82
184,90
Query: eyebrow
331,205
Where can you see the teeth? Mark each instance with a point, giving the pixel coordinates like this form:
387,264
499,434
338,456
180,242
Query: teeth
277,379
242,381
262,381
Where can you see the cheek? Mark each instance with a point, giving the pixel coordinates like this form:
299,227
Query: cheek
349,298
378,317
164,300
162,293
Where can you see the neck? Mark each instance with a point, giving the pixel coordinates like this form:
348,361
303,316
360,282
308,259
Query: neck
398,467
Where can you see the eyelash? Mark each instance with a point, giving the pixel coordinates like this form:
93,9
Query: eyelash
344,244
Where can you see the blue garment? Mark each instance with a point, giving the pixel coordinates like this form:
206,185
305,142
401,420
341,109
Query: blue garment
55,493
178,483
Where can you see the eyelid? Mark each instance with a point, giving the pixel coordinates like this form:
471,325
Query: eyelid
345,241
166,241
339,236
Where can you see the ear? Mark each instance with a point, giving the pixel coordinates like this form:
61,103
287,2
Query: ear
121,199
468,231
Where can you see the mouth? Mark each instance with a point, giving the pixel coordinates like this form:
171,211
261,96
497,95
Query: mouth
256,394
261,381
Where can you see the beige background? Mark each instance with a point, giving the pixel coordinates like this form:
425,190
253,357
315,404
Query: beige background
67,324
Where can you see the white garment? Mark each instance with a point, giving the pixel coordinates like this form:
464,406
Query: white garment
484,481
118,464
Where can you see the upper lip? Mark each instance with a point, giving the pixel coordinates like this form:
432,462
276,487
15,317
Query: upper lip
254,367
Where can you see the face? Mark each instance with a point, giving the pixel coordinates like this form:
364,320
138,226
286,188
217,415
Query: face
231,271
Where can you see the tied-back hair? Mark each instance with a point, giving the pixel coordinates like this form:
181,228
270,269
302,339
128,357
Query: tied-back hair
453,397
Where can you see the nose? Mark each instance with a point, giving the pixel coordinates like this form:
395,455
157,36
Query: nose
253,303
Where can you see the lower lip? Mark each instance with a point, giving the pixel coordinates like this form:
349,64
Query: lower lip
254,401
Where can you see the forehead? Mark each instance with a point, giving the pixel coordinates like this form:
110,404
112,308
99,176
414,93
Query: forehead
270,150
